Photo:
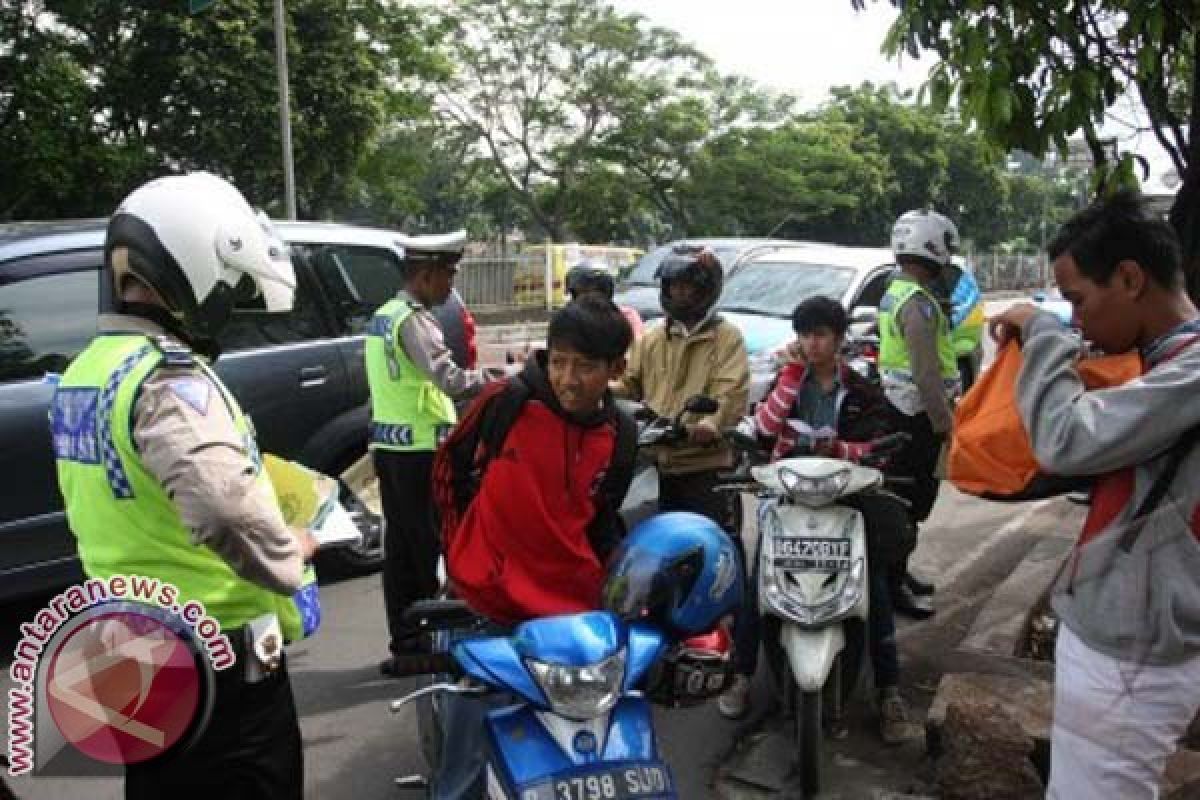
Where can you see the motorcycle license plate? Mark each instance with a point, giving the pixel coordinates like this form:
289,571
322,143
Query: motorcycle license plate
629,782
805,554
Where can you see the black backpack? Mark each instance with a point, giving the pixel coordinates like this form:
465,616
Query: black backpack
462,459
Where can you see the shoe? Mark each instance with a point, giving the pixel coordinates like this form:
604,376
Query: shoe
894,724
734,702
403,649
912,605
918,586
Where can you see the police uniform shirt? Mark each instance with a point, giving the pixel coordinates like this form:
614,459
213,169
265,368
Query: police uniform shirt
188,441
425,345
918,323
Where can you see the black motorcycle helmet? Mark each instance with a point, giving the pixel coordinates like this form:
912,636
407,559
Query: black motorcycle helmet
585,278
693,266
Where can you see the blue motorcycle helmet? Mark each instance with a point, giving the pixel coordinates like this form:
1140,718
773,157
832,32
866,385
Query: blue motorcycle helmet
678,570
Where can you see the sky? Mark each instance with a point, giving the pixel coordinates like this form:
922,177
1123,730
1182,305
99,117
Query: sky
800,46
807,46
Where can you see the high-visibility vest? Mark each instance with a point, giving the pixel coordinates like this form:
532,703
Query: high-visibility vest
408,411
122,518
895,360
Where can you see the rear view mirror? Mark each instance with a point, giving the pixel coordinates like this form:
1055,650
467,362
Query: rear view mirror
862,314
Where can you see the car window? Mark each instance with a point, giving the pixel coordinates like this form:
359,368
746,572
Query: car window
250,328
872,292
45,321
645,273
357,280
775,288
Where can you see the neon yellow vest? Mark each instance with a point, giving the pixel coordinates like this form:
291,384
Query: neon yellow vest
124,522
969,334
893,350
408,411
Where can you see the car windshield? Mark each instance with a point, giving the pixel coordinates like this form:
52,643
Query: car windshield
775,288
645,272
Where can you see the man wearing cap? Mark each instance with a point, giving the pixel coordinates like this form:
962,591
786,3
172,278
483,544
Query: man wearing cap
413,378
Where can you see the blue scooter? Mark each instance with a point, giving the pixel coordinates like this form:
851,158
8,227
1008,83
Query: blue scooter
579,726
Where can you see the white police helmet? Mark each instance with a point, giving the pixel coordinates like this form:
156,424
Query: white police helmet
925,234
196,241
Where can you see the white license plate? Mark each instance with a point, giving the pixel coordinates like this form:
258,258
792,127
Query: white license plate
638,782
807,554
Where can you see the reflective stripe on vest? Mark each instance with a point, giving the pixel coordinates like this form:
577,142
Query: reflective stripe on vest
408,411
123,521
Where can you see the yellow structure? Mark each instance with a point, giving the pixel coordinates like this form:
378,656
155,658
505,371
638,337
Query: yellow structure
536,261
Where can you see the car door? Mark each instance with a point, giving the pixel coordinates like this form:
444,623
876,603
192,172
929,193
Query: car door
357,280
48,311
286,369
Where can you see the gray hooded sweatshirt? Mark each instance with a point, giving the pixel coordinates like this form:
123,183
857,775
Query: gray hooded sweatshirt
1142,605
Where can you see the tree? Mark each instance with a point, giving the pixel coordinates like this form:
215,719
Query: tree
807,179
543,84
1031,74
149,89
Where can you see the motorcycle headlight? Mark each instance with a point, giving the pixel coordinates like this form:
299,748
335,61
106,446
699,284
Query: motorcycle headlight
819,490
581,693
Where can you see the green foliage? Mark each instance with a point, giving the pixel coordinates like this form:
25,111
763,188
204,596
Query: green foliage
107,94
1031,74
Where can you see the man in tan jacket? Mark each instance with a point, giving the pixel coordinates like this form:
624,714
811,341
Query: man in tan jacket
696,352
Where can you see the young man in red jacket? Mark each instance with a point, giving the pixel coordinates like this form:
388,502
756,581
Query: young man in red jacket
533,539
530,512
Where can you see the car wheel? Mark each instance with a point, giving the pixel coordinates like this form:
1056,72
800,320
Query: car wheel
367,555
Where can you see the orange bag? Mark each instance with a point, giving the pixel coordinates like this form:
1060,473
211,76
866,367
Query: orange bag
990,453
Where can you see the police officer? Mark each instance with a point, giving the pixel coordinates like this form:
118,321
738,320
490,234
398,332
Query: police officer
963,304
161,475
919,370
413,378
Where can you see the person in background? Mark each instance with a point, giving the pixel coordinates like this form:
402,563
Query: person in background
963,305
412,377
697,352
824,392
1127,659
919,371
589,279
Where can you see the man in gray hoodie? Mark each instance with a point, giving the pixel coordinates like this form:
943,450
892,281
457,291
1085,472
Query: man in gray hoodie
1128,655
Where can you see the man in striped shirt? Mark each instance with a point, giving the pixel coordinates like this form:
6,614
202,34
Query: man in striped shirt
818,388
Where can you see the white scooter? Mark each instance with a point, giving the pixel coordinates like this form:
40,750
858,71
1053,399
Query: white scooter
813,584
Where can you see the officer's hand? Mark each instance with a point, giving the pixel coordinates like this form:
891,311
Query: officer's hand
308,544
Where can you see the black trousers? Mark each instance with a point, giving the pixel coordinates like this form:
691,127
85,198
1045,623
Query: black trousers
919,461
250,749
410,538
891,537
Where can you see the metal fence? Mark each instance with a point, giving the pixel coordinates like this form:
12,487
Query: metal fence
487,282
1010,271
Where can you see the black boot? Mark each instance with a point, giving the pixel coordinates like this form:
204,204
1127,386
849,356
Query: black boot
918,586
904,601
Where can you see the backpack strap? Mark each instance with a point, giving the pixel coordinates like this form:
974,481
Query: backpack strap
624,460
497,419
1150,502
